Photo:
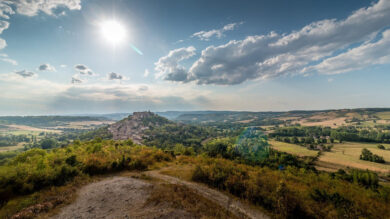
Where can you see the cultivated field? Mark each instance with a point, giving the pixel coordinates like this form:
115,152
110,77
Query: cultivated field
25,130
347,155
292,149
12,148
383,115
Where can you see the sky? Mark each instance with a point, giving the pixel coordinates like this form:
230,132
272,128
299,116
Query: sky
98,56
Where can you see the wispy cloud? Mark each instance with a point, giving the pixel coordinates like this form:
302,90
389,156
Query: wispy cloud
25,73
146,73
4,57
218,33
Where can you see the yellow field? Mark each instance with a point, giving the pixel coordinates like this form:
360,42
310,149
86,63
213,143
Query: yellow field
292,149
384,115
25,130
347,155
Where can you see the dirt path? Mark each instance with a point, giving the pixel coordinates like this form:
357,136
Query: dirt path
110,198
238,208
126,197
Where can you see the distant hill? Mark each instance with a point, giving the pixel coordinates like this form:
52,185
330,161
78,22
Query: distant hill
134,126
46,121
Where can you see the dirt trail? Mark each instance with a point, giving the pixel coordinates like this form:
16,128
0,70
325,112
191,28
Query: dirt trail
126,197
238,208
110,198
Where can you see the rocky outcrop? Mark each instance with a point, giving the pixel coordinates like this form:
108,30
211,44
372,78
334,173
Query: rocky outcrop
134,126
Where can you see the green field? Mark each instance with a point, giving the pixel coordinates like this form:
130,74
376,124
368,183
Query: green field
383,115
292,149
347,155
12,148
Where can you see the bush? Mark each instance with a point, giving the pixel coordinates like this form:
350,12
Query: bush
296,192
369,156
35,169
381,147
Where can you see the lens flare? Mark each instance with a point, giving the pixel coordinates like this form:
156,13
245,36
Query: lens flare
252,144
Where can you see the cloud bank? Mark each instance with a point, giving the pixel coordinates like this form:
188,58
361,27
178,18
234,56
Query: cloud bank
340,43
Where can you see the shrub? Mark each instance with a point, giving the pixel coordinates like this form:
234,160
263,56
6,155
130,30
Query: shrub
297,192
35,169
369,156
381,147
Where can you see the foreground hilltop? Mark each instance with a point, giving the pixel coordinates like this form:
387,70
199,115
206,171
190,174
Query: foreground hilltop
134,126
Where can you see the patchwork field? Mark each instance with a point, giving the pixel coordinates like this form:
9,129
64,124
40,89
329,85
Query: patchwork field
347,155
292,149
383,115
25,130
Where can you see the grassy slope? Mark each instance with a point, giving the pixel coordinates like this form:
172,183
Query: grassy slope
292,149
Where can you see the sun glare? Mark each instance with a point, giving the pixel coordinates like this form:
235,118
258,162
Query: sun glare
113,32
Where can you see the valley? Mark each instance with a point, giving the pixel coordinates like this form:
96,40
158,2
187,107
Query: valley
255,165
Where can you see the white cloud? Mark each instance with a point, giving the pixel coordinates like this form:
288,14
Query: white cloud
274,55
84,70
50,7
25,73
357,58
114,76
206,35
3,44
168,66
146,73
11,61
76,80
6,9
3,26
46,67
63,66
40,96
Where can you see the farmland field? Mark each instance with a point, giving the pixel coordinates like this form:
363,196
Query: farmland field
292,149
12,148
347,155
384,115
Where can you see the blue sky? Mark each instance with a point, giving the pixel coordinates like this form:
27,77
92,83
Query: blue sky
192,55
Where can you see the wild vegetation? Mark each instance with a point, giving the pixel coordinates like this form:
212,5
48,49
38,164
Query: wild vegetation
368,155
35,169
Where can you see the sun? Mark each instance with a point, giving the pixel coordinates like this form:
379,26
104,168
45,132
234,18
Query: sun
113,32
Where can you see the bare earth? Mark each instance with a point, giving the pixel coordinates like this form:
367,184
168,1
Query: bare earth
125,197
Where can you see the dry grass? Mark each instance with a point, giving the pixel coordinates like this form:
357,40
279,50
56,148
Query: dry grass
181,197
44,203
325,121
31,129
292,149
347,155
